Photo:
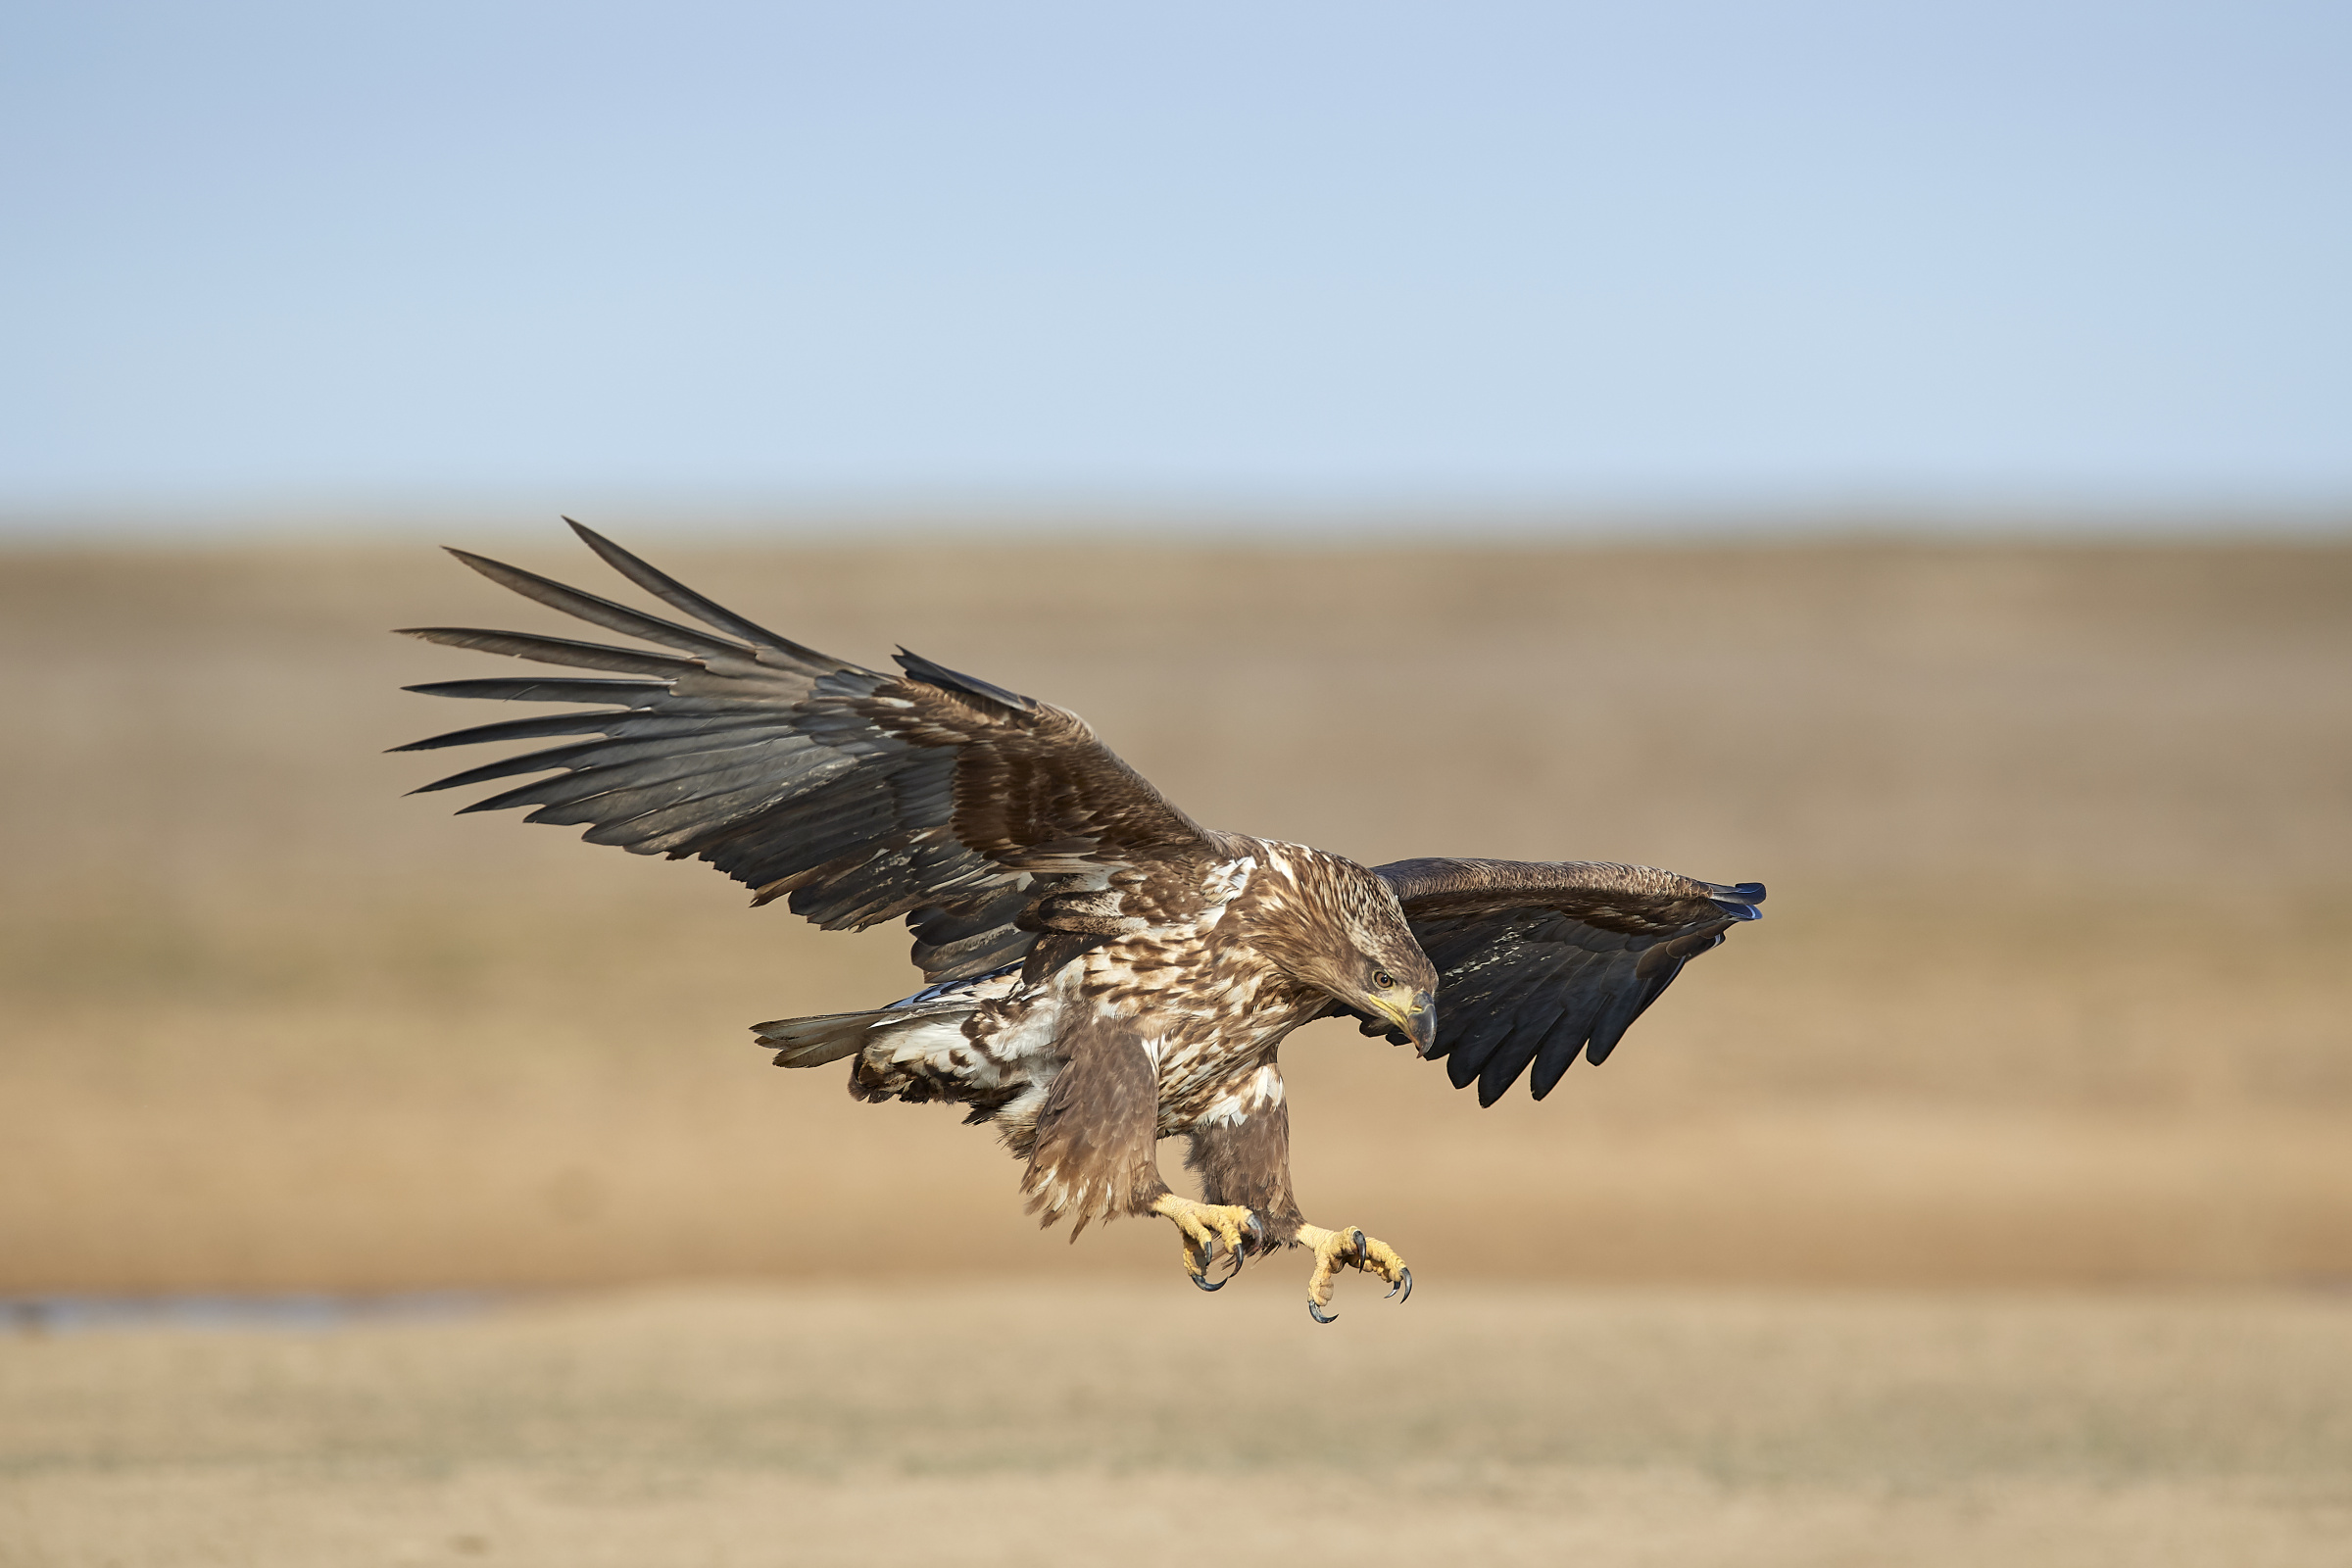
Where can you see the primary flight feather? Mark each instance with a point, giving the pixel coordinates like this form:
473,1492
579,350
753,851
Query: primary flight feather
1103,971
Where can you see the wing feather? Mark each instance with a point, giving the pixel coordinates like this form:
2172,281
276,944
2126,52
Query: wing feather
540,689
858,796
678,596
1540,962
553,650
597,609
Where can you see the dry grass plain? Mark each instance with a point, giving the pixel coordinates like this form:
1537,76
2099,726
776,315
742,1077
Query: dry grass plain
2051,997
1125,1422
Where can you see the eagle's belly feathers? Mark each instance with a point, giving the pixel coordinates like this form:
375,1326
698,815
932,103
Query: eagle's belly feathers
1206,1005
1209,1011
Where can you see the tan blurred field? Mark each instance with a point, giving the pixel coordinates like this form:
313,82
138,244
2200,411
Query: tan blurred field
2052,986
1968,1209
1117,1422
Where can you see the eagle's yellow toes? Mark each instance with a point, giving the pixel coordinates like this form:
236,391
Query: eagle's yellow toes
1350,1248
1204,1226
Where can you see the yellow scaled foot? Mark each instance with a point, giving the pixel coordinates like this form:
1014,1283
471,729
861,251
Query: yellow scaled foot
1350,1248
1205,1225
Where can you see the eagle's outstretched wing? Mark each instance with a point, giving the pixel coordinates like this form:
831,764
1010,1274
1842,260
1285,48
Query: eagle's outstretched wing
860,796
1538,961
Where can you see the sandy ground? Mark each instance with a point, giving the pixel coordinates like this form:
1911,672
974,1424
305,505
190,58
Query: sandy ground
1112,1423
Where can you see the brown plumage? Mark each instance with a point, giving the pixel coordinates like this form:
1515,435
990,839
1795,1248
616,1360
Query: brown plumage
1103,972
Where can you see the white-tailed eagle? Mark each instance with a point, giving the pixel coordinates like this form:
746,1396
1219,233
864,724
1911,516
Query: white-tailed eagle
1101,970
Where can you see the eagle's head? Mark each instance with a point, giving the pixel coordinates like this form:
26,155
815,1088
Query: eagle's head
1355,946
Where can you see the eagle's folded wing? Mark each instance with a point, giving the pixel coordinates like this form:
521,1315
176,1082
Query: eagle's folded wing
860,796
1538,961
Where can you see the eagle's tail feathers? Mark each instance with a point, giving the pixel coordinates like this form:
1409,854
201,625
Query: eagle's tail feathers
909,1038
814,1042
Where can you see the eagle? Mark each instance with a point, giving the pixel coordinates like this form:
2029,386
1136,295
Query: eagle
1101,971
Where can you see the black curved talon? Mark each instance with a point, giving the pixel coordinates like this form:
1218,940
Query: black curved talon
1231,1274
1363,1250
1201,1279
1199,1276
1408,1284
1257,1234
1317,1313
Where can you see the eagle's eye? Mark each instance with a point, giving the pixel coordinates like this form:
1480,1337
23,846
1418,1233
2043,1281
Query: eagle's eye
1382,980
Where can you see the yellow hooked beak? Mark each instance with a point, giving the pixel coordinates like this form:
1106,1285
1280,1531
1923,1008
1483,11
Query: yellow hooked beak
1417,1017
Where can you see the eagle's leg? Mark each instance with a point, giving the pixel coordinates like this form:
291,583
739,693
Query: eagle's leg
1205,1225
1349,1247
1094,1154
1249,1162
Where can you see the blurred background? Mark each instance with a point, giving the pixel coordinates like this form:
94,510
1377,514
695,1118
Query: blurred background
1896,454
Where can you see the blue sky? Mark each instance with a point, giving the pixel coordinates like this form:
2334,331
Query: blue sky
1725,256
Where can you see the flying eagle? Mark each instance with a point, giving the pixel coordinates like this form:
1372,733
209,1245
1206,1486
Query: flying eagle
1102,972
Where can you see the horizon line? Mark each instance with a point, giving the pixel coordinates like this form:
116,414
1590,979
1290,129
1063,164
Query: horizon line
1400,520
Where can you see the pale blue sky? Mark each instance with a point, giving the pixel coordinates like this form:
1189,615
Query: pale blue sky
551,257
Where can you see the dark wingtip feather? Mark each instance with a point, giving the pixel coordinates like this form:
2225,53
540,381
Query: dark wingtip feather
678,596
514,729
545,689
1557,1054
1738,900
540,761
1622,1013
932,675
597,609
1606,1035
1502,1069
556,650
